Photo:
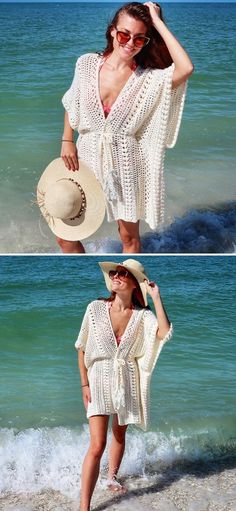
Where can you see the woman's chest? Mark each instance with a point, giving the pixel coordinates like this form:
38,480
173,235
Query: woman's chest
119,321
111,84
106,327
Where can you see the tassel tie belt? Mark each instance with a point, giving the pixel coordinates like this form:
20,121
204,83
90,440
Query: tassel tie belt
108,174
119,395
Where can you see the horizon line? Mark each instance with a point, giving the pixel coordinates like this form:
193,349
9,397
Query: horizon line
110,1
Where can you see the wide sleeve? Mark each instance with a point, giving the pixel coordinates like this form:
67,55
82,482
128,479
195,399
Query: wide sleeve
152,344
146,363
71,99
175,103
83,333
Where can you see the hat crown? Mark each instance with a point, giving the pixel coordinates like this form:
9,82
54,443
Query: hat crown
63,199
134,265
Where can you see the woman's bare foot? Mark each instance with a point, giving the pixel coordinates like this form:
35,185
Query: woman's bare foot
114,486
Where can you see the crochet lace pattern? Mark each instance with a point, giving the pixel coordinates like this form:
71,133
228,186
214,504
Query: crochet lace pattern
126,149
119,376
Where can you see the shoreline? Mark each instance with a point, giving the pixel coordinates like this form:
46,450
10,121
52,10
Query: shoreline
194,486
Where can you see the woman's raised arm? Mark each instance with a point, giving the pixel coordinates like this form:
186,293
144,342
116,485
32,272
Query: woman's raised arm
162,318
183,64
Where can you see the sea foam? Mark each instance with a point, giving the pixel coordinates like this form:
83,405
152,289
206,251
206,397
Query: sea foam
51,458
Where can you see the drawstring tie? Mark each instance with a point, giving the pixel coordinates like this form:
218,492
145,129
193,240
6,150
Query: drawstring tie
119,399
110,180
107,174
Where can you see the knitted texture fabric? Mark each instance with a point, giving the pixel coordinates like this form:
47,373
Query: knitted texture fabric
119,376
126,149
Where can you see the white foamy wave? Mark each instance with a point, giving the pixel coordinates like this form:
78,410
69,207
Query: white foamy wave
51,458
37,459
211,231
198,231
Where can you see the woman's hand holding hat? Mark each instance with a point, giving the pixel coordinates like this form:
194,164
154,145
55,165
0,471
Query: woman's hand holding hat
152,289
69,155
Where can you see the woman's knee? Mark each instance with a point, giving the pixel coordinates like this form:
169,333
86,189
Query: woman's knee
119,433
97,448
70,247
64,244
126,237
128,234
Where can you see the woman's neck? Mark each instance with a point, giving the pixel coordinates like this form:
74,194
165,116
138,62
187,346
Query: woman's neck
122,302
116,63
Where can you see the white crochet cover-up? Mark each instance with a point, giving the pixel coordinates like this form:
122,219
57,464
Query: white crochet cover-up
126,149
119,375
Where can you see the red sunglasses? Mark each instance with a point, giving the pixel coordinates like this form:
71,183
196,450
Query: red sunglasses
121,274
139,41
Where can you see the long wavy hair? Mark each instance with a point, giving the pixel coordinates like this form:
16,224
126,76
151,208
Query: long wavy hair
155,54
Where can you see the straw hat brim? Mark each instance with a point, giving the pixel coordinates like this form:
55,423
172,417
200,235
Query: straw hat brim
90,220
140,276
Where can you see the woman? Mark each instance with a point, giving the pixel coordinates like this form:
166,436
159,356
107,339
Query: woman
119,343
126,105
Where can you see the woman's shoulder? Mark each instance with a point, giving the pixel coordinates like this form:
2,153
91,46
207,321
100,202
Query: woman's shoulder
96,305
87,58
162,73
148,315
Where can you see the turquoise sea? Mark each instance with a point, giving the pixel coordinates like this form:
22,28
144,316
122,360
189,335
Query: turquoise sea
44,432
40,43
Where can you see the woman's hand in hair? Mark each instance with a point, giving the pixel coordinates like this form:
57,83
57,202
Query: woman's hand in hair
154,11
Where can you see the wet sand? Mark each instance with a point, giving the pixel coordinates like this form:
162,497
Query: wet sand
190,487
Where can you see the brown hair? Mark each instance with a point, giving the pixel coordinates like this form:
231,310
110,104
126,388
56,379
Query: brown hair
155,54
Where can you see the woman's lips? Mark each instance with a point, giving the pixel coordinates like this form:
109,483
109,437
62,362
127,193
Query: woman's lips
128,51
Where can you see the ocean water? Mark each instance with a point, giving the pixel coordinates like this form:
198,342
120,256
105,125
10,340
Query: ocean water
43,429
39,47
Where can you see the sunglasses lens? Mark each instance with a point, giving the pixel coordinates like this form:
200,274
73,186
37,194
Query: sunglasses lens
122,37
122,274
140,41
112,274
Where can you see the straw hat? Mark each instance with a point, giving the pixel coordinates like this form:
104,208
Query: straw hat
133,266
72,203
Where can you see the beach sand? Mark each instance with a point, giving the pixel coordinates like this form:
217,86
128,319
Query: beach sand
189,487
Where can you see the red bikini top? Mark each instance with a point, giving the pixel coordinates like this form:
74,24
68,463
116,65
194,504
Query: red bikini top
107,108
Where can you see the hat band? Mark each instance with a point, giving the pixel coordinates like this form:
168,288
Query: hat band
83,203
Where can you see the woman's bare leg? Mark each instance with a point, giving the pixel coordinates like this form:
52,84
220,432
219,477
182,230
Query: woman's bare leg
98,425
70,247
117,448
129,235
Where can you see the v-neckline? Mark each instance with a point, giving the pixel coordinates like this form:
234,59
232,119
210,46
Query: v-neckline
99,64
110,323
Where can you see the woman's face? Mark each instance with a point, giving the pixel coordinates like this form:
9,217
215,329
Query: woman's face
130,26
122,283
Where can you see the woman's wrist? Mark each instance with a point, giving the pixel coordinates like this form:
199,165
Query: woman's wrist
67,140
157,299
158,24
85,385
